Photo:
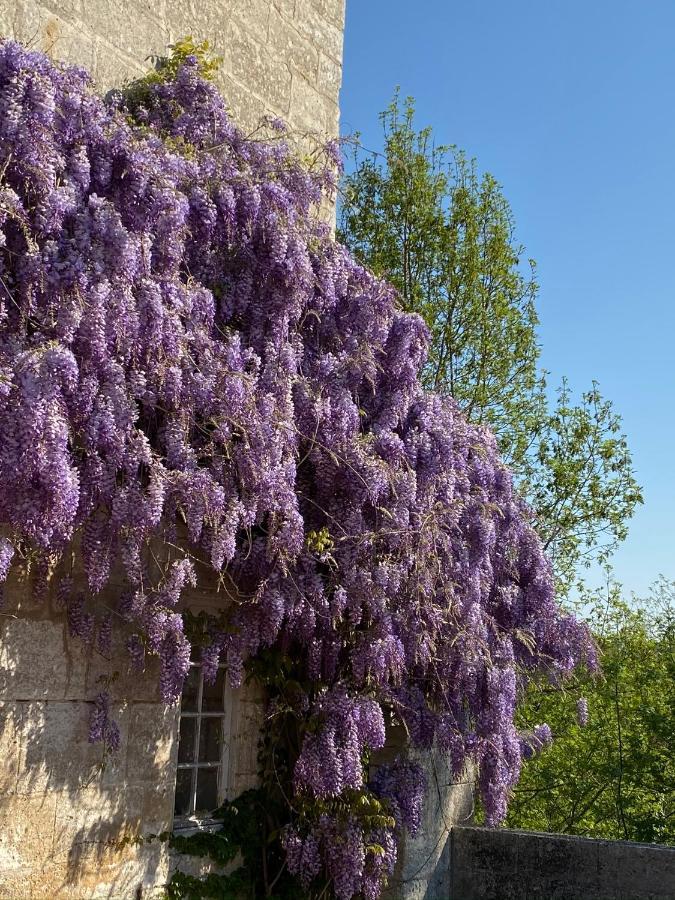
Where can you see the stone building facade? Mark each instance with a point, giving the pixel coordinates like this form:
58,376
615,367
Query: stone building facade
70,820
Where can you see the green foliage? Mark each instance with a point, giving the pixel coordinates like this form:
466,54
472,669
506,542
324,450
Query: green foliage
252,825
253,822
249,831
579,481
218,887
423,217
319,542
615,778
166,68
445,238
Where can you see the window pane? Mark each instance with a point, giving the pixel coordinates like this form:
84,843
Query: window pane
188,701
183,792
212,695
186,741
210,739
207,789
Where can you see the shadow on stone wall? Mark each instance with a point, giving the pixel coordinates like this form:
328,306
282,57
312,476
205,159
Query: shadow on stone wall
70,815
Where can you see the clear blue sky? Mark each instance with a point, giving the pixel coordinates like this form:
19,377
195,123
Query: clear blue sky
571,106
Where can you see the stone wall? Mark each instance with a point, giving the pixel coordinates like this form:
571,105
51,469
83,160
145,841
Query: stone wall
489,864
423,870
423,860
68,819
280,57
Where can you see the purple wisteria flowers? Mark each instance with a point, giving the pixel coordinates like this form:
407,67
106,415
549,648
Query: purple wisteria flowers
188,360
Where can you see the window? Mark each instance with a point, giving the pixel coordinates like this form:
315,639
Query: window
202,747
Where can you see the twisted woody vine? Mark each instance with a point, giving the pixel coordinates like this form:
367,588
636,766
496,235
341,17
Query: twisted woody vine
196,380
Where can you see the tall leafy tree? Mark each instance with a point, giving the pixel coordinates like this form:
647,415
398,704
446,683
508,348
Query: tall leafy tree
615,777
421,215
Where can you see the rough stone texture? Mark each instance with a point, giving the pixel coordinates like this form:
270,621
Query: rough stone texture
423,863
68,824
497,864
70,819
280,57
423,871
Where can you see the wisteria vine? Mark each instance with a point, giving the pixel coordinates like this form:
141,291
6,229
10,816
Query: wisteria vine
194,376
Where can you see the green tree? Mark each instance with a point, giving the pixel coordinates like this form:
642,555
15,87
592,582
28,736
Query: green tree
614,778
422,216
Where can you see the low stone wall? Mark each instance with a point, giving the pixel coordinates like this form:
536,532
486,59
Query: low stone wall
487,864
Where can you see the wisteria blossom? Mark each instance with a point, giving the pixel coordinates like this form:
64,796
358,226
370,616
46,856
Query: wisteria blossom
189,361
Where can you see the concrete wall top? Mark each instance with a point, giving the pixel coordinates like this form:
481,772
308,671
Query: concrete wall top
497,864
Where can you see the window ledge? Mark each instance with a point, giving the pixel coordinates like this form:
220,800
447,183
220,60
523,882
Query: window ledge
188,827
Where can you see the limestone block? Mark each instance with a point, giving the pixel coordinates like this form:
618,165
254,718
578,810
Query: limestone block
198,867
242,781
311,112
111,873
96,820
423,866
7,13
245,109
55,754
37,661
157,806
258,67
131,26
100,843
292,47
114,67
22,20
152,730
59,38
190,17
321,31
248,713
20,599
55,845
70,10
625,868
245,763
125,683
11,715
26,832
208,21
252,14
329,77
333,10
285,8
498,864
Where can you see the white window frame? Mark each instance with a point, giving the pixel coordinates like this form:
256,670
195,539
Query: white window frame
192,822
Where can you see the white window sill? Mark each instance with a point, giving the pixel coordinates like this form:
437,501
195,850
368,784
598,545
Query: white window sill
188,826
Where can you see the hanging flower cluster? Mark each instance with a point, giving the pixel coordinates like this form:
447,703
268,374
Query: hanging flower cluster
188,360
340,849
